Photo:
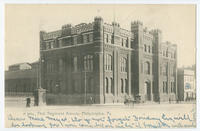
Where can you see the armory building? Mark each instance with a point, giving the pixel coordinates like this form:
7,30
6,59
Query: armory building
106,63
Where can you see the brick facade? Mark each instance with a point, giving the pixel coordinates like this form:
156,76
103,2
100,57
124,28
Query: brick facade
104,63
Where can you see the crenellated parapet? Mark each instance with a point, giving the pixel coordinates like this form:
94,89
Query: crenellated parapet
52,35
136,23
83,27
68,30
155,31
115,28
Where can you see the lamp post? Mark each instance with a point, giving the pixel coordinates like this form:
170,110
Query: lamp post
39,74
40,92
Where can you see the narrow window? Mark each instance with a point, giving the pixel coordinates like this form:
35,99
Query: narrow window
106,85
122,86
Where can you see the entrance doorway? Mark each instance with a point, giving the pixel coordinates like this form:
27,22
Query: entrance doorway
148,90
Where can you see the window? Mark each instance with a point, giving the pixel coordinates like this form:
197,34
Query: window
167,53
112,39
106,85
47,45
60,67
51,66
123,64
172,71
145,48
108,62
79,39
164,70
91,37
88,38
122,86
75,63
59,43
75,40
127,42
149,49
51,45
56,44
126,86
165,89
172,86
107,38
147,67
163,52
88,63
66,41
122,42
111,84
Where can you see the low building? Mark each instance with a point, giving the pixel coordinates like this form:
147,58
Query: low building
20,83
186,84
19,66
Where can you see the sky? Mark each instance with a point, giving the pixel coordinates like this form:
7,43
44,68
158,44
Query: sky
23,23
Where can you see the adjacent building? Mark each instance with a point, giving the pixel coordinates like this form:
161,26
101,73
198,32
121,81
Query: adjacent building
186,84
21,79
103,63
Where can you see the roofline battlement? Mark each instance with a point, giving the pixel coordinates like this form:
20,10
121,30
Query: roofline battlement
136,22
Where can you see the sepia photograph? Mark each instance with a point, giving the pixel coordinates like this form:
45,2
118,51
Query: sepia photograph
100,66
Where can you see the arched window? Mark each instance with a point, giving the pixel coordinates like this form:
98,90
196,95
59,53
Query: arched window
122,86
106,84
147,67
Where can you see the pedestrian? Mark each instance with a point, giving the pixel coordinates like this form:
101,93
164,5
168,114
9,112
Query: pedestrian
91,99
159,99
28,102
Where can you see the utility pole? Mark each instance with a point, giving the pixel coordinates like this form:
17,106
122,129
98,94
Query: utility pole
85,88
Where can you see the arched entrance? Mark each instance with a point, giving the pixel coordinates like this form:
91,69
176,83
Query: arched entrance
147,87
